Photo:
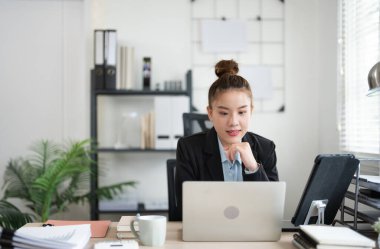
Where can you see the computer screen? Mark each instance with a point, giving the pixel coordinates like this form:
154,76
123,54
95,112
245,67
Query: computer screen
329,180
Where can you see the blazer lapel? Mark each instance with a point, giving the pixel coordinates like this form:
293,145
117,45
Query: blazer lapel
213,160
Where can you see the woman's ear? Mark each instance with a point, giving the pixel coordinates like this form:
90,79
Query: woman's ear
209,113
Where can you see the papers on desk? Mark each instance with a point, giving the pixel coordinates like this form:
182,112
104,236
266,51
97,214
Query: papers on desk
53,237
369,178
323,237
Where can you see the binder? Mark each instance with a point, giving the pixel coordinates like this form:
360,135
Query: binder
110,52
99,75
105,49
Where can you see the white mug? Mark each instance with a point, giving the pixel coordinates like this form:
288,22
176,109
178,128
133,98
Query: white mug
152,229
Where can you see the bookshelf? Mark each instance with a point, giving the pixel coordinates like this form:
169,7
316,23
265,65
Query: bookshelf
99,148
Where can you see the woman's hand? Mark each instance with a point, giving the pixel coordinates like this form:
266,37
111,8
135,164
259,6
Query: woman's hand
246,155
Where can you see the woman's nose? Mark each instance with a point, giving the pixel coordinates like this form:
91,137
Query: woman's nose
234,120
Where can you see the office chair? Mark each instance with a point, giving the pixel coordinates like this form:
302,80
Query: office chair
173,208
195,122
192,123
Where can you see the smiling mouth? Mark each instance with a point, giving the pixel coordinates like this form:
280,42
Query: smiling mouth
233,132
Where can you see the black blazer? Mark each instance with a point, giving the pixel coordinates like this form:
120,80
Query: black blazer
198,159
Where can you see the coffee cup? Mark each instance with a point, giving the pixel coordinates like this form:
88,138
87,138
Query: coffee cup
152,229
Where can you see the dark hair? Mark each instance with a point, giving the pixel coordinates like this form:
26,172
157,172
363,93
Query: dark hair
227,70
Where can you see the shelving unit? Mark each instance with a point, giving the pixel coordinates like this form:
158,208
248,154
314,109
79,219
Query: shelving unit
95,93
369,216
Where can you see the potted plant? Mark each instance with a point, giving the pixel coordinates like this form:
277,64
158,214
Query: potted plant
53,177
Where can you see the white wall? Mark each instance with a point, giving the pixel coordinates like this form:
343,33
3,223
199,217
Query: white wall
45,84
44,92
327,76
295,131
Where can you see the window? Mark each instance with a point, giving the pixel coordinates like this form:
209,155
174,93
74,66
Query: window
359,50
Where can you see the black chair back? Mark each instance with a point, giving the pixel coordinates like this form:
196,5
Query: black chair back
173,208
195,122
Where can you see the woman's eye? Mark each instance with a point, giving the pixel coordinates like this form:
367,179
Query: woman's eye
242,112
223,113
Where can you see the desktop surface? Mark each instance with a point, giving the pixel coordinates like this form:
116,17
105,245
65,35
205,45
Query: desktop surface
174,240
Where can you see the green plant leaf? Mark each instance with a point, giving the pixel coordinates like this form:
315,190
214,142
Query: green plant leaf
55,176
72,163
18,178
11,217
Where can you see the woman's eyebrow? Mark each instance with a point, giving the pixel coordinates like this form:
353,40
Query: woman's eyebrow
222,107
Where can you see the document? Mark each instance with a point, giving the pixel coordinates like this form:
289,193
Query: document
370,178
53,237
215,40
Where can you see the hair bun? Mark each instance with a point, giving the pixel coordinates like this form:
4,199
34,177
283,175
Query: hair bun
226,66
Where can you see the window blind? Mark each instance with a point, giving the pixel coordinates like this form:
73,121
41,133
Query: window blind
359,50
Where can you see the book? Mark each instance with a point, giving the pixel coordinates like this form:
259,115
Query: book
53,237
124,224
329,237
304,242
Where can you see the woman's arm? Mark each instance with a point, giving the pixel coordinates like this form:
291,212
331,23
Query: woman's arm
185,171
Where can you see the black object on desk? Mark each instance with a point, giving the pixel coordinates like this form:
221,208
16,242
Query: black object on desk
329,180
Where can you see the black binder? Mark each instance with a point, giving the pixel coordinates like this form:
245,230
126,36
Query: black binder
110,77
105,51
99,77
110,46
99,74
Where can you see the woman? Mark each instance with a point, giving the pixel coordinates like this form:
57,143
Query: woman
228,152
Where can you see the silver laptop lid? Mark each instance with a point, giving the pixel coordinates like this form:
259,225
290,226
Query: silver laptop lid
233,211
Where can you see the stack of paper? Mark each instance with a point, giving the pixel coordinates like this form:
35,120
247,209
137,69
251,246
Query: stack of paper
330,237
53,237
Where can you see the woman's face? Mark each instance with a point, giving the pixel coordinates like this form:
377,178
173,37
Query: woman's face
230,114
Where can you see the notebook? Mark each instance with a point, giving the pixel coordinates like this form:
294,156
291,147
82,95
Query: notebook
329,236
233,211
99,228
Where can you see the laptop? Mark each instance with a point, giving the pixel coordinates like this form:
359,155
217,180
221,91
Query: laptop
233,211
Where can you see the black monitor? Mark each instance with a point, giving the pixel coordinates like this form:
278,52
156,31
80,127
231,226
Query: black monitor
329,180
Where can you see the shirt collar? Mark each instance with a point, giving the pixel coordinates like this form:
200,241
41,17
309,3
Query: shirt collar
223,154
